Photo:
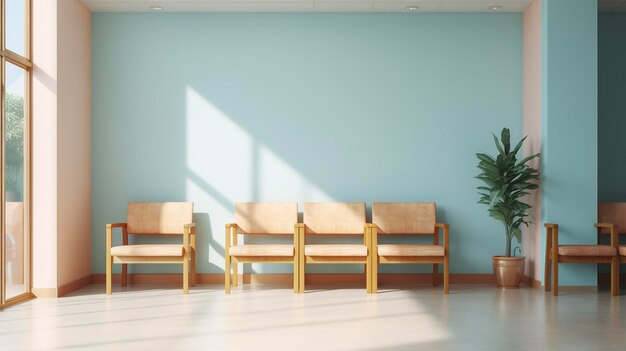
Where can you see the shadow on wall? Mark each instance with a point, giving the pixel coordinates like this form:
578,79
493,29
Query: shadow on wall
301,108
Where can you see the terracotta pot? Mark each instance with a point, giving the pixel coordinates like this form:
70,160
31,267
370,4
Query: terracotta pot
509,271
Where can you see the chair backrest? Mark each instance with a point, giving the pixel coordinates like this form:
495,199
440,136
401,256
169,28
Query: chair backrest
158,217
404,217
334,217
614,213
266,217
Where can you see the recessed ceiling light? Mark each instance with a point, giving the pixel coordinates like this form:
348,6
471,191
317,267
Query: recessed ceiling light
412,8
156,8
496,7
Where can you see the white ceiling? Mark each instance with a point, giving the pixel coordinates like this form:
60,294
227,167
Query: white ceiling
324,5
305,5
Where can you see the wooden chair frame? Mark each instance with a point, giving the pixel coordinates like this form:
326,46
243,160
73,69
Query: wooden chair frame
553,258
188,260
231,274
304,259
434,260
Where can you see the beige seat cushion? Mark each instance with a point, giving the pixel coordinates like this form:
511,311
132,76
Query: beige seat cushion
262,250
335,250
587,250
410,250
148,250
622,250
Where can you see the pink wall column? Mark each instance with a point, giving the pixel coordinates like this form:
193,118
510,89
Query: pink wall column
74,142
532,128
61,146
44,165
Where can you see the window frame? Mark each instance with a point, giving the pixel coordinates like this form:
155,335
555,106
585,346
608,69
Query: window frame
24,62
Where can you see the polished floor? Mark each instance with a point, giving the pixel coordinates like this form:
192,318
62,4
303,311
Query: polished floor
272,318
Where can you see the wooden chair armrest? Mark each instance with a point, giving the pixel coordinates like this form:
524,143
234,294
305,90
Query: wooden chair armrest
614,232
116,225
552,238
191,228
606,225
446,234
109,235
231,225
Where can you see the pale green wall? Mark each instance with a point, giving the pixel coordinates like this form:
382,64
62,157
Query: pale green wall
569,127
218,108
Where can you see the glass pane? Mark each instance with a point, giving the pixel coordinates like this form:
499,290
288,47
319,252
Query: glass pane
16,26
14,179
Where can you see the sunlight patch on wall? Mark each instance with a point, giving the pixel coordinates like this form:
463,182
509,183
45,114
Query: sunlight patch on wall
279,181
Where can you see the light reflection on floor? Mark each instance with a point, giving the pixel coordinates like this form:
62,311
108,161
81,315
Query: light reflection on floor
266,317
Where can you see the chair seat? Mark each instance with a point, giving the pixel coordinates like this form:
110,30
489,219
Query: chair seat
262,250
622,250
587,250
335,250
148,250
410,250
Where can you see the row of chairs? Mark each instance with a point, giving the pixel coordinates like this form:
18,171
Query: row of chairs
327,219
175,218
336,219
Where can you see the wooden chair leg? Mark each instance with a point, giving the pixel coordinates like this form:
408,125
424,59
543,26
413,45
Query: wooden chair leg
109,273
296,275
368,276
546,273
124,275
446,275
547,261
235,274
435,274
555,276
374,269
186,274
615,276
192,279
227,275
302,274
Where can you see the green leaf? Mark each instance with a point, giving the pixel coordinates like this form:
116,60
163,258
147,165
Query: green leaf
518,146
506,139
495,140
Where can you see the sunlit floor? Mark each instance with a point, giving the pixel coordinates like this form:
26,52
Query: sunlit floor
271,318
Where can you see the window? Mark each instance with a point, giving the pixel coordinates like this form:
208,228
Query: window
15,75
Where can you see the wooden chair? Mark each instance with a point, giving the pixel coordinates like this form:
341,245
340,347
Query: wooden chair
332,219
556,254
418,218
614,213
261,218
154,218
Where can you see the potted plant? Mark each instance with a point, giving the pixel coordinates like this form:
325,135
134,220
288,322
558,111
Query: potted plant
507,181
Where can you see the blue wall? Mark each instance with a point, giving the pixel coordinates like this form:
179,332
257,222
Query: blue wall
569,127
611,107
219,108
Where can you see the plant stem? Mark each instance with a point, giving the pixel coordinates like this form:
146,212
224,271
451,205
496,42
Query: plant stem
508,242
